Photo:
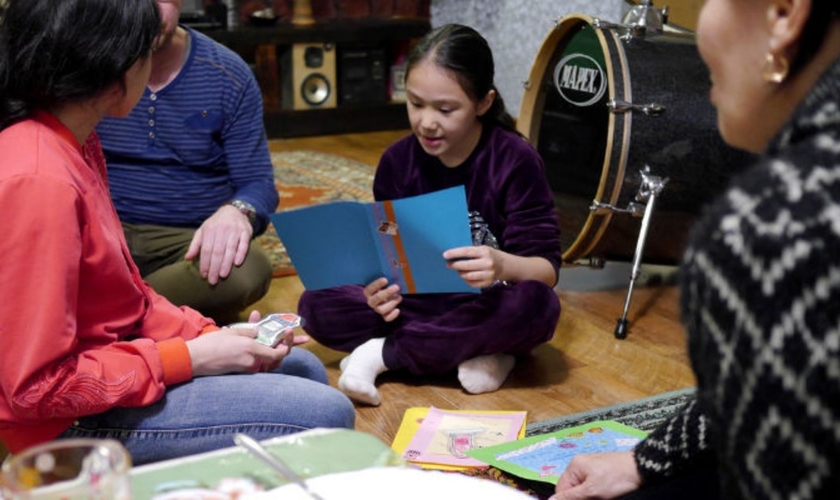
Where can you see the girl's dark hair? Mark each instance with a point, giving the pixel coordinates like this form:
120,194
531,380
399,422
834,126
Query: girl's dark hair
463,51
60,51
823,13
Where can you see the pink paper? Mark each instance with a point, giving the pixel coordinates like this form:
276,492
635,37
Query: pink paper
444,437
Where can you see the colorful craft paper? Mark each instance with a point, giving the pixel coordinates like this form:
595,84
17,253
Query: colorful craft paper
545,457
439,439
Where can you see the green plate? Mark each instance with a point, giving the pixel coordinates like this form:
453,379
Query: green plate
310,453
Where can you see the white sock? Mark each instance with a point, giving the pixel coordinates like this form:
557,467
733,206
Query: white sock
359,371
485,373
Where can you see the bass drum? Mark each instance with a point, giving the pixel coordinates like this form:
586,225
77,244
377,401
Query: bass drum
600,105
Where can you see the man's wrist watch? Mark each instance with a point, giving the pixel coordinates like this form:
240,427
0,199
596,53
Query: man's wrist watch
246,208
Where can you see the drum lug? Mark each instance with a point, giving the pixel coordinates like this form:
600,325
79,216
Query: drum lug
651,185
597,262
625,32
636,209
640,20
600,24
646,17
601,208
526,84
621,107
633,208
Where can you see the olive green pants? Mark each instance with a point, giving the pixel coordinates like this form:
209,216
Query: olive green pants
159,253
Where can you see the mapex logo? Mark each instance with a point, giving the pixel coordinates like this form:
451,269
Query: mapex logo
580,80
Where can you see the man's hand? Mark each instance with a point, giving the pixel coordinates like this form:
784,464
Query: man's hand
221,243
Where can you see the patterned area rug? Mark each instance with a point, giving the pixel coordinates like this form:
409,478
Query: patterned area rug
643,414
309,178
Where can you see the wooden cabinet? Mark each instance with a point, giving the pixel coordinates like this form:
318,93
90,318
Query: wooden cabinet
263,46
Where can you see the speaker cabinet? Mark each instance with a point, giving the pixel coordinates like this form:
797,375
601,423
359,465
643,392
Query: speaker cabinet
309,76
362,75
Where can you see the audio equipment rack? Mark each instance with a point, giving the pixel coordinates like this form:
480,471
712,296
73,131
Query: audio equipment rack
282,122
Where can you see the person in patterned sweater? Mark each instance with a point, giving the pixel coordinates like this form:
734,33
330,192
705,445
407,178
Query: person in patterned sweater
760,279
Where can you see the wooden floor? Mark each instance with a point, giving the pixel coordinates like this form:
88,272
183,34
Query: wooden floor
583,367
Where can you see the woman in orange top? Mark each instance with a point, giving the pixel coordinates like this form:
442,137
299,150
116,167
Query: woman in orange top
86,347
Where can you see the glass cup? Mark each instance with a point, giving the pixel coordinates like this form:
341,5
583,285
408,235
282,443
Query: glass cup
69,469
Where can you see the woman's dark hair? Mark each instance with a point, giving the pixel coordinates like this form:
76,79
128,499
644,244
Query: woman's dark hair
60,51
823,13
463,51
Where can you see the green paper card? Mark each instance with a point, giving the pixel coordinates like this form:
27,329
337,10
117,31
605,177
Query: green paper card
545,457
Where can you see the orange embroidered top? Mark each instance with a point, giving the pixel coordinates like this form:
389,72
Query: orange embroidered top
80,331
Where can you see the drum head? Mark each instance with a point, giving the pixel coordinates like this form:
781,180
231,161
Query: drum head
570,85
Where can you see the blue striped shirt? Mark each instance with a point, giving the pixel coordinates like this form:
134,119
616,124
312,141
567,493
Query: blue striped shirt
193,146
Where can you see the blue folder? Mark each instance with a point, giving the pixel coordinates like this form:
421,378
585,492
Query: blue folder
349,242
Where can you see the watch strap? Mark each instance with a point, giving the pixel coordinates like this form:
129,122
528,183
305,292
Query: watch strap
246,208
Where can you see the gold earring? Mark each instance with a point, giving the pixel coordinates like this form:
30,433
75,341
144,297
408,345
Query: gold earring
775,69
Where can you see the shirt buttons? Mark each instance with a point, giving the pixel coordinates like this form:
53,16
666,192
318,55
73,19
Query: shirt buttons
151,135
151,123
151,110
153,97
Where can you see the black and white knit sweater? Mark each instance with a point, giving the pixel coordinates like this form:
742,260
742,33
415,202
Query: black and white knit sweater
760,285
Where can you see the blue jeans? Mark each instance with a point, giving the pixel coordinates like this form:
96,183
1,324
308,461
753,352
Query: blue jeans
204,413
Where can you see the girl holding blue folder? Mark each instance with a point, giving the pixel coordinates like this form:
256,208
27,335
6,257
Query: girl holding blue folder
462,135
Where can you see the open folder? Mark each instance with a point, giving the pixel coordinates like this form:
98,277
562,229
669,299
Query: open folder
349,242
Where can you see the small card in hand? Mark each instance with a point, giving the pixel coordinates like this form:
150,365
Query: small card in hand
271,328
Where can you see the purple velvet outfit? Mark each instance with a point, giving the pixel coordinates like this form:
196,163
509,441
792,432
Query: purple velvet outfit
505,182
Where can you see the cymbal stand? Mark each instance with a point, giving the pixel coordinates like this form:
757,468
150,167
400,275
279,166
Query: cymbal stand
649,189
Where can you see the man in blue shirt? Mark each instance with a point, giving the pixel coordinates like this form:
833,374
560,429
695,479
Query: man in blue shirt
191,176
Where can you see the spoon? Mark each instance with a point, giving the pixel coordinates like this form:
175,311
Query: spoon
259,451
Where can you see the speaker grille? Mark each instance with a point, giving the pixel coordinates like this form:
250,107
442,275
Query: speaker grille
315,89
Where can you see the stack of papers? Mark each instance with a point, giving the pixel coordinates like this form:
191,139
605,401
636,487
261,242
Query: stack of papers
441,439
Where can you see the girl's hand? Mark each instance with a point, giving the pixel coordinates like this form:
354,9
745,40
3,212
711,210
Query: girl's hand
235,350
284,348
290,339
384,299
479,266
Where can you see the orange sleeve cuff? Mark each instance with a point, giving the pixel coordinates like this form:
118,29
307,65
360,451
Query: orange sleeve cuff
175,357
208,329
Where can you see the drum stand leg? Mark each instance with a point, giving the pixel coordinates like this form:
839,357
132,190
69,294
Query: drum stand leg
650,188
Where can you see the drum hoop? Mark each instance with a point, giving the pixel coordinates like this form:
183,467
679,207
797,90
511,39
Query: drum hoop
585,244
529,125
